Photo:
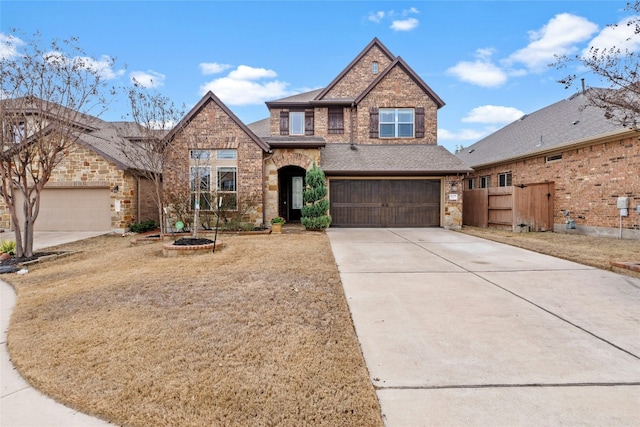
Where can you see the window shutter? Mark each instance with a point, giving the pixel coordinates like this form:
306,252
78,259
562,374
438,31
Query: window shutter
308,122
373,122
419,122
284,123
336,120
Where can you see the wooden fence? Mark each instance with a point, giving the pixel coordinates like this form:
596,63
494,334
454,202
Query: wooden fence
527,207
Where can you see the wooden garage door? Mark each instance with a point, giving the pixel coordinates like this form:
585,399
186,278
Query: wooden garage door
66,209
385,203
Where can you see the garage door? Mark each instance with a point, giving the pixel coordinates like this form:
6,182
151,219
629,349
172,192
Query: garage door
79,209
385,203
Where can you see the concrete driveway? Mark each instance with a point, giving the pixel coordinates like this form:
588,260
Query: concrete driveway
457,330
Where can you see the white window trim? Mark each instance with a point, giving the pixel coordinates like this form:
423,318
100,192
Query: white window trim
301,116
396,123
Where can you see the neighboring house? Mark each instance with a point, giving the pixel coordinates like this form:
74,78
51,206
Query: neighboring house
373,130
94,188
580,162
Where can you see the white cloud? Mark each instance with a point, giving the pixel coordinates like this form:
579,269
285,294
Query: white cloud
244,72
213,67
621,36
558,37
9,45
376,16
463,134
493,114
481,72
147,79
405,25
247,85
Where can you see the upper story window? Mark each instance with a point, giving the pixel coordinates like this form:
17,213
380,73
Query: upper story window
504,179
396,123
296,123
336,120
374,67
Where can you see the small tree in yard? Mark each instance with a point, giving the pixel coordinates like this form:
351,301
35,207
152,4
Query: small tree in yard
315,211
154,116
618,66
46,92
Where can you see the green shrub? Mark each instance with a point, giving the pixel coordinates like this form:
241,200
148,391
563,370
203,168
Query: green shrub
143,226
315,211
8,247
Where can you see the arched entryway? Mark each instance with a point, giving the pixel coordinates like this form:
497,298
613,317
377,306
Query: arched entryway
290,187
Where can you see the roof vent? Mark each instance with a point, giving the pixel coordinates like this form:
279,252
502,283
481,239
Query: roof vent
575,122
472,150
523,117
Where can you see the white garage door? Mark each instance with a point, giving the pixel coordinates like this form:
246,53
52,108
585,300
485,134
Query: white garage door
78,209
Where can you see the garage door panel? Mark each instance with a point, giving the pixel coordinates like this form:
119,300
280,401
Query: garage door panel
385,203
67,209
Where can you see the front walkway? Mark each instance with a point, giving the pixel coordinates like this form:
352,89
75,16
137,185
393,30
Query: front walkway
457,330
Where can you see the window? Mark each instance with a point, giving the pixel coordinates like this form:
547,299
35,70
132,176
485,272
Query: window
18,133
336,120
228,187
296,123
471,183
374,67
200,154
200,177
554,158
227,154
504,179
485,181
396,123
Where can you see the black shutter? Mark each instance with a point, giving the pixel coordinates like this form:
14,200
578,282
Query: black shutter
373,122
284,123
419,131
308,122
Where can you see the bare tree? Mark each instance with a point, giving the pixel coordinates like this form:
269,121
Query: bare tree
47,91
618,67
154,115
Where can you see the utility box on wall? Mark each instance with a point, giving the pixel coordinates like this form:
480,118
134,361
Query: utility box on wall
623,203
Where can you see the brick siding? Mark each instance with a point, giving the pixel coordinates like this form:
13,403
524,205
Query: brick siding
588,181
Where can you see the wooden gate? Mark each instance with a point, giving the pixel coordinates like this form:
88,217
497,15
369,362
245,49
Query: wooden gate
527,207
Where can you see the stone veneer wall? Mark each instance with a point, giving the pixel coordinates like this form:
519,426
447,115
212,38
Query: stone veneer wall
301,157
82,167
588,181
212,129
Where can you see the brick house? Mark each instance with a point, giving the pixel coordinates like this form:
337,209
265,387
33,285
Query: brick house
585,161
94,187
372,130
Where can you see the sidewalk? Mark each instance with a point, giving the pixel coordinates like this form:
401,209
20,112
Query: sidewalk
20,404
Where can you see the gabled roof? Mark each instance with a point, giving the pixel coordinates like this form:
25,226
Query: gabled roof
564,124
399,62
390,159
374,43
210,97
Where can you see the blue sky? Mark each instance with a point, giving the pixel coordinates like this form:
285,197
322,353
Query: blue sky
488,60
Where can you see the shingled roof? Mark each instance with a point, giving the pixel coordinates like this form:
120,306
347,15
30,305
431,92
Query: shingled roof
392,159
563,124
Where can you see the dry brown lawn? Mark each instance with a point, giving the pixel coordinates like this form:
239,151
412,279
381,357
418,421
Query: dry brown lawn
258,333
589,250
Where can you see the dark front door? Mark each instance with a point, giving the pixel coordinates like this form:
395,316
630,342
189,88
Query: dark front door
291,185
385,203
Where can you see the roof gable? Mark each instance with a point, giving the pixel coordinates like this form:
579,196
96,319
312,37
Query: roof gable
375,44
399,62
207,98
